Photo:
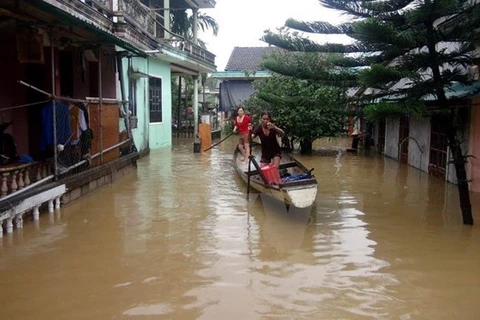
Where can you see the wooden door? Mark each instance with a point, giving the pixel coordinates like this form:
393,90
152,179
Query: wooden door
381,137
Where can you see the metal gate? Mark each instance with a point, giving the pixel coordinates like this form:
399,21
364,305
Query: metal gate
438,149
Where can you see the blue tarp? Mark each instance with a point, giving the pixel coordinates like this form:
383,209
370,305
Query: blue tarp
62,124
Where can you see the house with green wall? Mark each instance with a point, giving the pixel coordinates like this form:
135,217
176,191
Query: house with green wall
147,78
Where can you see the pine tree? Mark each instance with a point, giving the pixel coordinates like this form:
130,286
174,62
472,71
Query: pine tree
414,50
309,104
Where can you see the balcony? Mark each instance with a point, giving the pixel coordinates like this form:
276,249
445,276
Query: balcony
189,48
137,14
148,23
135,23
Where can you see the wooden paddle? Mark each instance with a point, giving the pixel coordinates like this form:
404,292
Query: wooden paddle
250,158
217,143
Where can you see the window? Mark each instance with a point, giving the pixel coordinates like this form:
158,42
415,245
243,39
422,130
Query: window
155,85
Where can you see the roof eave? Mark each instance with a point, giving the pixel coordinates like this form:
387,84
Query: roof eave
241,75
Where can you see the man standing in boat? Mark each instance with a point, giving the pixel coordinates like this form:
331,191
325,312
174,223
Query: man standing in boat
267,132
242,124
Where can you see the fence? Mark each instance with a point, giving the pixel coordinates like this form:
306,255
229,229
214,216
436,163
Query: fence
88,134
186,127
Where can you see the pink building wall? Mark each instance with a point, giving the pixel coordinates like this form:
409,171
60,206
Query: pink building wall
474,146
12,93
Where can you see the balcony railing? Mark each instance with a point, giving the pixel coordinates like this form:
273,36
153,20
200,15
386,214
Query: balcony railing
15,177
137,14
192,49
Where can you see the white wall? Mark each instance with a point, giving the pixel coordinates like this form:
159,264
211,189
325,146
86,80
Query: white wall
392,126
418,154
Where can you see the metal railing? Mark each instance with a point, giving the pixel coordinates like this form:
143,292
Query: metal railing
139,15
190,48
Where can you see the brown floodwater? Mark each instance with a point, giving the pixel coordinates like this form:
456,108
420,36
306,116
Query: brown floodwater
177,239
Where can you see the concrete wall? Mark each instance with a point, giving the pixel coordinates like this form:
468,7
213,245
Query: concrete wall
160,134
140,133
150,135
392,126
418,154
86,182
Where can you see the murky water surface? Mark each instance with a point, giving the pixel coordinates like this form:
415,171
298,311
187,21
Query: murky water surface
177,240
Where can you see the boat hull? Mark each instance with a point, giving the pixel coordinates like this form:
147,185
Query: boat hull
301,194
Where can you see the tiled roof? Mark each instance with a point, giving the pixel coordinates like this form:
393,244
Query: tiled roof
248,58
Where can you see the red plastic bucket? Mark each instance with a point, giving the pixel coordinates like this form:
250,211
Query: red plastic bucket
271,174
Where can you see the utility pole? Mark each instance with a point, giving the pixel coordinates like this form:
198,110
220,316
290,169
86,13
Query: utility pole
196,143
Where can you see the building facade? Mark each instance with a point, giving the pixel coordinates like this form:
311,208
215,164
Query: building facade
85,91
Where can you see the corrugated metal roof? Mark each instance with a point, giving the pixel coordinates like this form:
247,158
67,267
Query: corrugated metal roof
459,90
456,91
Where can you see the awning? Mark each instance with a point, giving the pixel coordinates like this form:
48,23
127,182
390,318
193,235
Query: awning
459,91
241,75
80,21
456,91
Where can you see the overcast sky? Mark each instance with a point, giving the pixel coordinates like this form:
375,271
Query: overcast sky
242,22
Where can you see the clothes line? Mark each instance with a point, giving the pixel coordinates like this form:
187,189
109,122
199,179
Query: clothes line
59,98
24,105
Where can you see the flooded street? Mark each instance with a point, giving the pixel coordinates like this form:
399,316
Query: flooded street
177,240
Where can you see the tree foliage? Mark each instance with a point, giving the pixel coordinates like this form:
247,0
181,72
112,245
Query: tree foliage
305,109
182,23
414,49
425,44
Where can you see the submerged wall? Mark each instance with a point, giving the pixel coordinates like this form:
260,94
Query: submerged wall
392,126
88,181
419,142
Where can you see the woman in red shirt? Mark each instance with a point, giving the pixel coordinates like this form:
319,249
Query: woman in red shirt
241,126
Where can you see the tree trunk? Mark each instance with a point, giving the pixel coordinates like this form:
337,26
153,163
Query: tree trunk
306,147
462,182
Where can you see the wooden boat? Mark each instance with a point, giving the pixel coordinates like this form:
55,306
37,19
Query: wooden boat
297,185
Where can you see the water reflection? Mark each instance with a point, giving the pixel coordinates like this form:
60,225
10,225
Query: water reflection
282,229
177,240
